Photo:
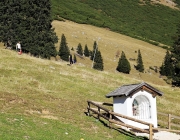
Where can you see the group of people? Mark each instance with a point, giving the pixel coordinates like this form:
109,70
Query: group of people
8,45
19,49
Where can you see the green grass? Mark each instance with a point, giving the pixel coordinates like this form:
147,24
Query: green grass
47,99
23,127
44,99
153,23
34,128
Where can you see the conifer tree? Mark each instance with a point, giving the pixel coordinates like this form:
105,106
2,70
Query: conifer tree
140,66
90,53
63,49
176,59
162,71
98,61
167,67
86,51
95,49
123,64
30,23
79,49
11,16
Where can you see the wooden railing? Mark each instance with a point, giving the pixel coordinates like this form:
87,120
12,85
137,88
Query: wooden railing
110,115
170,123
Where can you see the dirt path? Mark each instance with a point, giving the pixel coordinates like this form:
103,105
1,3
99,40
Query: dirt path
162,135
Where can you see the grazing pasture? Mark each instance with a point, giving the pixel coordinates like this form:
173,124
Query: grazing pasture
47,99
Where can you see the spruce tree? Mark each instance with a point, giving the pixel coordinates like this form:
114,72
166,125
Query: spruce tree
86,51
11,20
30,23
140,66
95,49
167,67
176,59
98,61
79,49
162,71
90,53
123,64
63,49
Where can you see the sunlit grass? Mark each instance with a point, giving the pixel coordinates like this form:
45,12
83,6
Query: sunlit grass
109,43
44,99
51,96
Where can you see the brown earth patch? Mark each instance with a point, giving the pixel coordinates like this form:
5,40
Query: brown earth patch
43,114
169,3
50,117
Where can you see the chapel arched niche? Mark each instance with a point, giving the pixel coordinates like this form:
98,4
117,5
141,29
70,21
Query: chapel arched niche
141,107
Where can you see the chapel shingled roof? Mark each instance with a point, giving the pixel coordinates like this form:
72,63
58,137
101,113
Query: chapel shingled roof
127,90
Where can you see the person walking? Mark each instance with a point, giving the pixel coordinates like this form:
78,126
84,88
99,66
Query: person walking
70,59
18,48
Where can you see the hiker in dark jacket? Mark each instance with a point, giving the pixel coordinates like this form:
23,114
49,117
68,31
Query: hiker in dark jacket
70,59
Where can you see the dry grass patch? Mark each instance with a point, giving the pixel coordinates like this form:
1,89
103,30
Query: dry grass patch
109,44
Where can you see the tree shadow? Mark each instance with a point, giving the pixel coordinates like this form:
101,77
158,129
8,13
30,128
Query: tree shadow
121,130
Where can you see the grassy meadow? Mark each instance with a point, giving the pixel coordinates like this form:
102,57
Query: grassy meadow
47,99
43,99
109,43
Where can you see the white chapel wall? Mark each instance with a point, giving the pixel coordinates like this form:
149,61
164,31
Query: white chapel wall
123,105
120,106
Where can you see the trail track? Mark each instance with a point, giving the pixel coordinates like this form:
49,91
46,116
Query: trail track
162,135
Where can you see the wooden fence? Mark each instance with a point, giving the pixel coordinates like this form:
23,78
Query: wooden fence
170,123
109,115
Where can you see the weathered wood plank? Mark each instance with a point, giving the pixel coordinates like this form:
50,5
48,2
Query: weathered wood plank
129,118
165,114
151,132
177,125
111,113
176,117
162,113
103,103
98,106
108,104
162,129
172,124
99,113
170,117
129,126
169,121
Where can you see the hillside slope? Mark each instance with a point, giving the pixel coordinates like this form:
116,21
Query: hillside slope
142,19
109,43
43,99
47,99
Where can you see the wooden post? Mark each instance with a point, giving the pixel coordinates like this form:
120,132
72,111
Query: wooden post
88,109
98,113
150,132
169,121
110,118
